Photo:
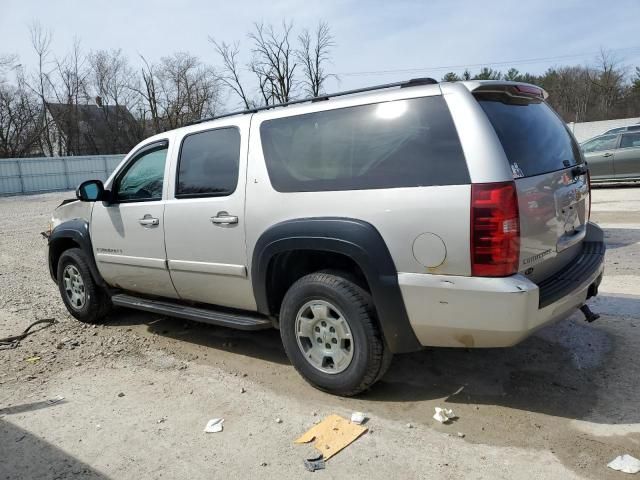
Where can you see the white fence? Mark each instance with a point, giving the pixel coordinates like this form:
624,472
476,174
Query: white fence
586,130
46,174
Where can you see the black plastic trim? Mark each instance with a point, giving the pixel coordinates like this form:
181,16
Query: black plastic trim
359,241
572,276
76,230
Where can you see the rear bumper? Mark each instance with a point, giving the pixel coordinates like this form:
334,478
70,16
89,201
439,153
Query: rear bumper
455,311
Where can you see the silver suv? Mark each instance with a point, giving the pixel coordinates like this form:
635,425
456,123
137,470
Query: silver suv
360,224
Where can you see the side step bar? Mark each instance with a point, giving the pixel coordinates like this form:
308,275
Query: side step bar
240,320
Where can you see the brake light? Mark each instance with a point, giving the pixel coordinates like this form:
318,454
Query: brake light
495,229
530,89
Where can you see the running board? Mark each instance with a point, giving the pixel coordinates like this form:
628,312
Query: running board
240,321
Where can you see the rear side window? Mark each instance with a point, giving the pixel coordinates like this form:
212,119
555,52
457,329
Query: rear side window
630,140
533,136
403,143
599,144
208,163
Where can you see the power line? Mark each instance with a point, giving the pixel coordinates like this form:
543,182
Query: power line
628,50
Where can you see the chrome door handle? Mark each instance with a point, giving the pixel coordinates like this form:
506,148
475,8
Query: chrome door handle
223,218
149,221
608,154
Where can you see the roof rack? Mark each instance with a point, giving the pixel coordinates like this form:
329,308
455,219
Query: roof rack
414,82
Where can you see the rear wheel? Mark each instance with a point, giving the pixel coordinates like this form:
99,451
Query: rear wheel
330,334
82,296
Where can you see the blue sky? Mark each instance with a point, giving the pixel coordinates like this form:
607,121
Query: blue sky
370,36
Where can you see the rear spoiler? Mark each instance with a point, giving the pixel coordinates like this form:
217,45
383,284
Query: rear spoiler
513,89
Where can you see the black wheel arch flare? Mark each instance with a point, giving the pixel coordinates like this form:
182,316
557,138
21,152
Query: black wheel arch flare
355,239
76,231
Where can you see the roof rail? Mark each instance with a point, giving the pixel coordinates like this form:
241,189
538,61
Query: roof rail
414,82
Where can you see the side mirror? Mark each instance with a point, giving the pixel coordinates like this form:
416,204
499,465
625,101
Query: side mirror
90,191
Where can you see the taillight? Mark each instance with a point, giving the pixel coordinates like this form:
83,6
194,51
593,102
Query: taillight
495,229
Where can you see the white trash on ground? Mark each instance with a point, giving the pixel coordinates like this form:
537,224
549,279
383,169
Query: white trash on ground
443,415
358,418
214,425
625,463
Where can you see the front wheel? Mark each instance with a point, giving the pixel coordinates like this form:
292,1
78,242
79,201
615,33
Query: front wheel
84,299
330,334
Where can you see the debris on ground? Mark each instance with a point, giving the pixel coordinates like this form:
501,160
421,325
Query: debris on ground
14,340
214,425
461,435
625,463
358,418
444,415
278,420
409,425
332,435
35,359
242,390
121,394
313,464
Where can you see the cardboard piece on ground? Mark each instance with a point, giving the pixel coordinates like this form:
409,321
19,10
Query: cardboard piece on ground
332,435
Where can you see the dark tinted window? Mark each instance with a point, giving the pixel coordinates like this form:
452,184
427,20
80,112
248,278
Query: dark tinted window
630,140
208,163
404,143
143,178
534,138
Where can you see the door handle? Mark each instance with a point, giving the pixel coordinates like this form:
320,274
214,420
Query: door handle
608,154
223,218
149,221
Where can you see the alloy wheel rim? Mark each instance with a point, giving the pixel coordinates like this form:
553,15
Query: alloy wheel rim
324,337
74,287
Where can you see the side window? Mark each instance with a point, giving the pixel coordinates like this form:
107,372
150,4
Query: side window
630,140
143,178
208,163
606,142
402,143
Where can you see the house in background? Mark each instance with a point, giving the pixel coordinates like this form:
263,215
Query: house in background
91,129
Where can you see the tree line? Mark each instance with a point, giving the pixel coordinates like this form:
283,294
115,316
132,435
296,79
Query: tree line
44,110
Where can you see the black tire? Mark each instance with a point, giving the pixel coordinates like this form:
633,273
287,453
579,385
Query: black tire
371,357
97,303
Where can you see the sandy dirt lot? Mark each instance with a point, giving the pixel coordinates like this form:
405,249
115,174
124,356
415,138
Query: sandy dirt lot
139,390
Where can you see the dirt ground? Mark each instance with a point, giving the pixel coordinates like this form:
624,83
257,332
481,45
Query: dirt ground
139,390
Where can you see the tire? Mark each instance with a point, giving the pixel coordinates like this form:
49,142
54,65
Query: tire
307,303
85,300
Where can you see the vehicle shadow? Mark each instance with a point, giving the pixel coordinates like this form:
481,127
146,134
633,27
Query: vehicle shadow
621,237
262,344
560,371
24,455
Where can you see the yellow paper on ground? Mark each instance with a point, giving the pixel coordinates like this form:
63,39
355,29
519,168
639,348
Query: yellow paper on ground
332,435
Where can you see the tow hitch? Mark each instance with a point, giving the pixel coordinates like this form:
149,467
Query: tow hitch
589,316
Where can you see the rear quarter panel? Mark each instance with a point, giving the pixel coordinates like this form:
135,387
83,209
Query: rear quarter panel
399,214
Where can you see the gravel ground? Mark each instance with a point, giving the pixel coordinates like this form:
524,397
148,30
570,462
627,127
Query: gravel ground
139,389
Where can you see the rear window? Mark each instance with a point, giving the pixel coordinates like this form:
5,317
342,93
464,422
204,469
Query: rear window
533,136
403,143
208,163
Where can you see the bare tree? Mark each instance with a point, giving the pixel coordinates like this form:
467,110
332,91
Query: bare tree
313,53
179,90
231,69
41,43
608,77
19,119
274,62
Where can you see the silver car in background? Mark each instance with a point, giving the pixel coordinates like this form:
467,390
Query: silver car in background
614,156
